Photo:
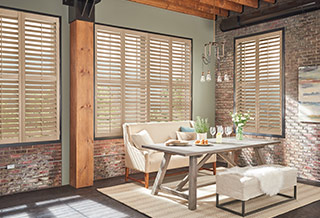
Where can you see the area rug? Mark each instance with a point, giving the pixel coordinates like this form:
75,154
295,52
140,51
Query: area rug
164,205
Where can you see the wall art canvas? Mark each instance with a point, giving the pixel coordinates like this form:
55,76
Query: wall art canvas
309,94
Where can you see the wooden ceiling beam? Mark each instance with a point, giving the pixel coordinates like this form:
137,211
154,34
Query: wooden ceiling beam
270,1
227,5
187,7
196,5
249,3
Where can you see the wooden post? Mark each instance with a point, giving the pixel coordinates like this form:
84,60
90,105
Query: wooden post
81,104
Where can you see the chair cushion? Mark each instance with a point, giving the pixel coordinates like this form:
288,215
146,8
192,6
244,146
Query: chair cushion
141,138
186,135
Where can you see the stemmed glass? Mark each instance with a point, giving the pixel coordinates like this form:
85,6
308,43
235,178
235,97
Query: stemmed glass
212,131
228,130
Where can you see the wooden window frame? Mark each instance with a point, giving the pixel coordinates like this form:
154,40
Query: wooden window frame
58,76
282,68
161,35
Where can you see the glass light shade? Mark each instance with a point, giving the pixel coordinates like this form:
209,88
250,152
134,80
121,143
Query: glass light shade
202,79
208,76
219,79
226,78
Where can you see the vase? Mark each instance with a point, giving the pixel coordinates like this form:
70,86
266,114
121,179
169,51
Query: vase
201,136
239,133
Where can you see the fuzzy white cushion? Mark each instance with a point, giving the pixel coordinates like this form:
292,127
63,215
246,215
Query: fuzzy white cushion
141,138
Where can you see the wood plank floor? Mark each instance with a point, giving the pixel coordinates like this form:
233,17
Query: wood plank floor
87,202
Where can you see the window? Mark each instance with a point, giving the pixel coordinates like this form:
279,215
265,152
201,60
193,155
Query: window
258,82
139,77
29,77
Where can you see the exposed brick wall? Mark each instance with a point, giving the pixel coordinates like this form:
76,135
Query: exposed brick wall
36,167
108,158
301,146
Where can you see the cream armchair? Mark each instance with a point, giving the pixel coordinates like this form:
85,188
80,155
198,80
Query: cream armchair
148,161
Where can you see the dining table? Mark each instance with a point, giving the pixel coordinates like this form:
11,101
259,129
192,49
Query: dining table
193,151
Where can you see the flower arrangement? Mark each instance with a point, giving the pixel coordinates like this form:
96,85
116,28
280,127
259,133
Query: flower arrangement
201,125
240,120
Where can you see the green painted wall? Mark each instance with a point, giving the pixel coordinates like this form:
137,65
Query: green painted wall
132,15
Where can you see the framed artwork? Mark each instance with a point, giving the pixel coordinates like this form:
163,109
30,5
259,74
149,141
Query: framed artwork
309,94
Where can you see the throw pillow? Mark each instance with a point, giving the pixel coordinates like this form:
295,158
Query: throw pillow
186,129
186,136
141,138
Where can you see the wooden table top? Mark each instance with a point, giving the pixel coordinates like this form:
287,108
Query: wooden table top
228,144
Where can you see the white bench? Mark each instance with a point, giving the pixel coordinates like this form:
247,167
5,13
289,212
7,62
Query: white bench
242,187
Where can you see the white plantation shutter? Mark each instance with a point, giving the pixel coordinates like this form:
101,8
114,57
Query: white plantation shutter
108,83
259,82
160,78
9,77
135,94
152,79
29,83
41,80
181,79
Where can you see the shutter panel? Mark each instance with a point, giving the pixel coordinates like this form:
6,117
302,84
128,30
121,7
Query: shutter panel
135,77
41,78
139,77
108,83
181,79
9,77
270,80
159,58
259,82
246,81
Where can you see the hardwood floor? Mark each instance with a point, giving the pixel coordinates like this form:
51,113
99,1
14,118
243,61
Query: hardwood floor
87,202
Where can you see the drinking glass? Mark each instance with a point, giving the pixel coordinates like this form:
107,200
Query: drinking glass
212,131
228,130
220,129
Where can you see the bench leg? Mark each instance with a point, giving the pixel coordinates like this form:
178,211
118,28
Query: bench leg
243,210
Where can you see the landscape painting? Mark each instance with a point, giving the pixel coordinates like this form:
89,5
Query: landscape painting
309,94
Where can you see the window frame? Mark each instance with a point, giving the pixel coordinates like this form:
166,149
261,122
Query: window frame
282,66
147,32
59,92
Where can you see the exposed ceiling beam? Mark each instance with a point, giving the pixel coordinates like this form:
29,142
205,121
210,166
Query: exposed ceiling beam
249,3
196,5
165,4
227,5
270,1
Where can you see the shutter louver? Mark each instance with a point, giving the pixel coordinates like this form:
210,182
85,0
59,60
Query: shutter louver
140,77
259,82
181,80
108,83
41,79
159,79
9,78
135,78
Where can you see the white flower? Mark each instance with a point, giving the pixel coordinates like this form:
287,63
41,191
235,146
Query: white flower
243,118
237,119
241,124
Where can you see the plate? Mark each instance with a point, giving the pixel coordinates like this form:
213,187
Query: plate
203,144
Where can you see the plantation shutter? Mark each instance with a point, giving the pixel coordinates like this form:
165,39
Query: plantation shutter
160,67
259,82
41,78
140,77
181,79
29,77
9,77
108,86
135,94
